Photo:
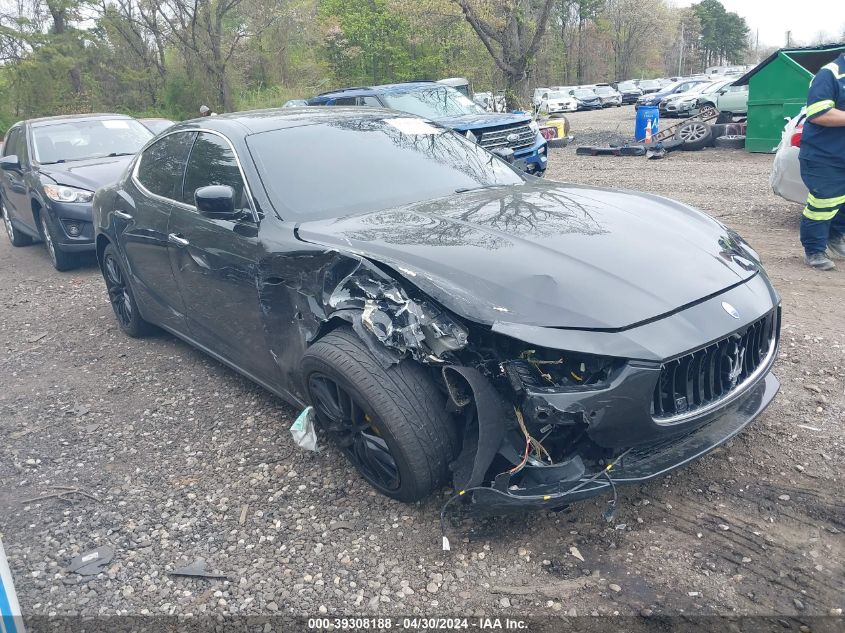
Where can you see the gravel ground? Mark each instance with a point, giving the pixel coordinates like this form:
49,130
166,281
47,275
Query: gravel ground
166,456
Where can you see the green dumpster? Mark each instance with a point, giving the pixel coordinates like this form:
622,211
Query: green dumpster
777,90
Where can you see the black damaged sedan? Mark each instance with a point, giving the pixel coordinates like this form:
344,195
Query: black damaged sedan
450,319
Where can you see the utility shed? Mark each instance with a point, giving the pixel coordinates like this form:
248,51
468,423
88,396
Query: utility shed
777,89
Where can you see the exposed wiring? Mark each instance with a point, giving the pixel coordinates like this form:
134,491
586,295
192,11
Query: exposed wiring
611,506
604,472
525,432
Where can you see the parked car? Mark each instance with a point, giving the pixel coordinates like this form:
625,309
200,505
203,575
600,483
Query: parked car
786,171
649,85
461,84
691,102
156,125
49,172
450,108
733,99
587,99
629,91
557,102
609,97
654,98
490,102
445,315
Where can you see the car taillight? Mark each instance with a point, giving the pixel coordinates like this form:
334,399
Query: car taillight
795,141
548,133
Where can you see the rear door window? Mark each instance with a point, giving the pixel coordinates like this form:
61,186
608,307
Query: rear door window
162,165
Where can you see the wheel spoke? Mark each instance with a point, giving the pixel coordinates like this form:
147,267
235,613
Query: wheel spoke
326,398
353,431
376,458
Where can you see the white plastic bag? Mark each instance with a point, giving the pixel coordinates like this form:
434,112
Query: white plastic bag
303,431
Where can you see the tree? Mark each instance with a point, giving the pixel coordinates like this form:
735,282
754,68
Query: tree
723,34
632,24
511,31
209,32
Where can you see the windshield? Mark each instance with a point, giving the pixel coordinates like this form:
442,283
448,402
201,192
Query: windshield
605,90
649,83
432,103
557,94
584,94
372,164
83,139
627,86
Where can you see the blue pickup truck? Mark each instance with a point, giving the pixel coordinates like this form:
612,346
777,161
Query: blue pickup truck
448,107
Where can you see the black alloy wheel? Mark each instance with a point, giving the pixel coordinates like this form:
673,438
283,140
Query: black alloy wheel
355,431
121,297
120,300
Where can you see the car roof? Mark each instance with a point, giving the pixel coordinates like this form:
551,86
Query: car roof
360,91
68,118
257,121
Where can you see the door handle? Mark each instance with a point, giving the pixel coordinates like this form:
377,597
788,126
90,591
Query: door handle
122,215
176,239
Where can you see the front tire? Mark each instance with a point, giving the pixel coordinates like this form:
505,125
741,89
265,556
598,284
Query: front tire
391,423
15,237
61,260
121,296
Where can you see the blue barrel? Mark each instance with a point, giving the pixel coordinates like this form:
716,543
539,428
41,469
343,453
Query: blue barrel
644,115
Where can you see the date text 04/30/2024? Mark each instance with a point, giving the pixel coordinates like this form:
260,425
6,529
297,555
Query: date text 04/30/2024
417,623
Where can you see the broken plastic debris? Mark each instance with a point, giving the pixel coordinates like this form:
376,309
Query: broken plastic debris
577,554
446,546
303,431
199,568
92,562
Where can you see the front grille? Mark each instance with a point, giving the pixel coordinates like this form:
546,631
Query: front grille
702,378
498,137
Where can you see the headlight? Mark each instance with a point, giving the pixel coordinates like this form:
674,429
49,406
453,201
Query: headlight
61,193
471,136
535,127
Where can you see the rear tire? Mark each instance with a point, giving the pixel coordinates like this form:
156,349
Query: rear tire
61,260
15,237
121,297
398,410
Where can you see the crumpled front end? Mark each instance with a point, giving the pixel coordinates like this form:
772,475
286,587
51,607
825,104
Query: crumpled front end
548,416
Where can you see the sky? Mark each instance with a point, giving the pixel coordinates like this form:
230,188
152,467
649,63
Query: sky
775,17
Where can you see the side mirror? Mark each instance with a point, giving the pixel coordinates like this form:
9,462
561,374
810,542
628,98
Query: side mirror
216,201
10,163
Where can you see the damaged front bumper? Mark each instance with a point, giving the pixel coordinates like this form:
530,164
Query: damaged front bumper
641,463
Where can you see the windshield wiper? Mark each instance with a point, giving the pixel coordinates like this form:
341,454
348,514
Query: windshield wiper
113,154
54,162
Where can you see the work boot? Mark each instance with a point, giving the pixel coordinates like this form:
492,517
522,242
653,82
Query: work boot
819,261
837,245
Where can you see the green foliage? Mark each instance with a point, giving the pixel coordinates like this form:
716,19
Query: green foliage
724,35
133,56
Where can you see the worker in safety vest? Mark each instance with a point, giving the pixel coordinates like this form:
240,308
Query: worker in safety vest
822,160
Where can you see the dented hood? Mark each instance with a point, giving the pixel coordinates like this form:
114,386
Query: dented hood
548,254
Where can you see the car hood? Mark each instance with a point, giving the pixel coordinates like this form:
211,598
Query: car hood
588,99
88,174
480,121
555,255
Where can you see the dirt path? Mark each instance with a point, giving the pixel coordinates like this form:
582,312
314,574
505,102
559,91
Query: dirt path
188,459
